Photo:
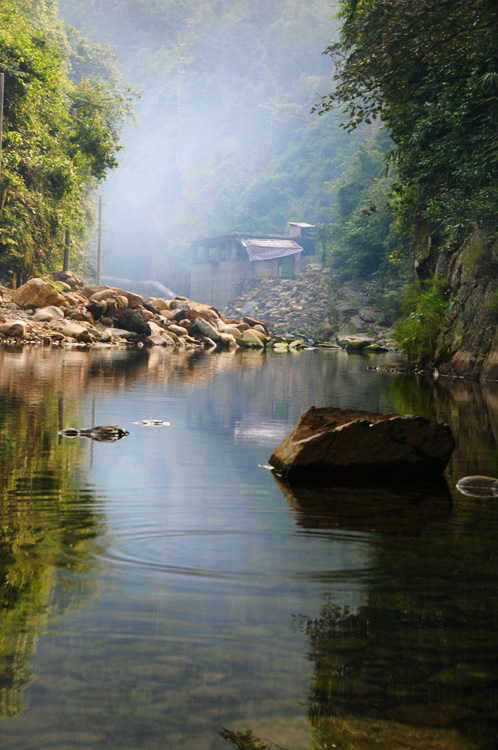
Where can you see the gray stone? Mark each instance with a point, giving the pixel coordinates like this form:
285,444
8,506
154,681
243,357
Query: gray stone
179,304
353,343
369,315
478,486
76,331
48,313
108,433
227,340
251,339
206,329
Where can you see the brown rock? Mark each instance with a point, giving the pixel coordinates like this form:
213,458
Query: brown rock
253,322
38,293
133,300
179,330
327,443
92,289
15,329
75,298
159,303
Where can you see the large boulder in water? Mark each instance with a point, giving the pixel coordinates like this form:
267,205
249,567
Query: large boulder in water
327,443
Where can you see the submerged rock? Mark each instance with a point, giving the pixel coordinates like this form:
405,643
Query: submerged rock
108,433
478,486
327,443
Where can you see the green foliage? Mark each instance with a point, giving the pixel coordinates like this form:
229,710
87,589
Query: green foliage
59,140
427,305
364,241
247,740
493,303
429,70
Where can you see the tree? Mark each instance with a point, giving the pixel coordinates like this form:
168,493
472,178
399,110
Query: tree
429,70
60,138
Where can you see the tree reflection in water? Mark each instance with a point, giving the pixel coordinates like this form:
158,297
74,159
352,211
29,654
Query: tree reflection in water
47,521
414,665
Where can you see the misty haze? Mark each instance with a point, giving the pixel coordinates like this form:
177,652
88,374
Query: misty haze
224,140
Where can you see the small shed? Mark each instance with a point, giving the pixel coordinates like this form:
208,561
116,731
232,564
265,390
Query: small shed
220,264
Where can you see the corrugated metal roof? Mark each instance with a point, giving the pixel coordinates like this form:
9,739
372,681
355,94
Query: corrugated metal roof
268,249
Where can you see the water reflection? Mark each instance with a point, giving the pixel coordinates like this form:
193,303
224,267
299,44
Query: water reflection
47,520
159,588
387,507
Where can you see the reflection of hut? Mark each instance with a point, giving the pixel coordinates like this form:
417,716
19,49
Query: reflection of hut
221,264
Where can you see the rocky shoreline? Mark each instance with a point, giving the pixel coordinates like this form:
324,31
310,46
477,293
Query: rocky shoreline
308,307
70,312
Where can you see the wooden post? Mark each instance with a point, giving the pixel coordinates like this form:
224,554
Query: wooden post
2,84
67,245
99,242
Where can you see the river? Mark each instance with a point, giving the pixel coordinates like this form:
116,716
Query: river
165,591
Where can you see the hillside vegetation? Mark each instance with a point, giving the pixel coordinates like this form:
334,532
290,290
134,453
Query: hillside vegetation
61,129
429,71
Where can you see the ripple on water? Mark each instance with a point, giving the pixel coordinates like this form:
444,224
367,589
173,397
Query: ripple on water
239,556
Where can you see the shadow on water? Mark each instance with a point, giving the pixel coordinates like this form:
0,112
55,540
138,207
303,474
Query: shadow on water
365,506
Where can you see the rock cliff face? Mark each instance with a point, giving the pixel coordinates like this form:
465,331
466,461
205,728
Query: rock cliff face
468,341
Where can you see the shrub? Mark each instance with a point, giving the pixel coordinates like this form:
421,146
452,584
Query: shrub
417,333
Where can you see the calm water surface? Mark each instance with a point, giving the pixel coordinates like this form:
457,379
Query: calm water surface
164,591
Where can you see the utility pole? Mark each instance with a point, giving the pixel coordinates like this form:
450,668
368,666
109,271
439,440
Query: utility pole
178,99
2,85
99,241
67,236
67,245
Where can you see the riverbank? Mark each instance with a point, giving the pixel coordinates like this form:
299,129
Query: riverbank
86,315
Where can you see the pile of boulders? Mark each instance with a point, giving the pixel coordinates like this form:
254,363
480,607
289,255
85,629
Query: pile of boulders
310,307
80,314
285,305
